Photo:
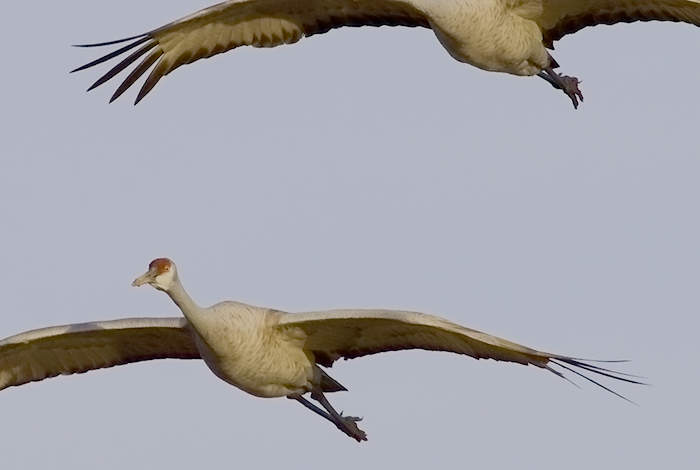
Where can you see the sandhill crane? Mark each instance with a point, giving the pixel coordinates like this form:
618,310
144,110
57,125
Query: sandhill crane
509,36
264,352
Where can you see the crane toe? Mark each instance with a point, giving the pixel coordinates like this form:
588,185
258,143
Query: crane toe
348,424
568,85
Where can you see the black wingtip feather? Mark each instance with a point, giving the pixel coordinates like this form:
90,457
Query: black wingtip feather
584,364
111,55
156,74
145,64
570,364
123,64
136,73
109,43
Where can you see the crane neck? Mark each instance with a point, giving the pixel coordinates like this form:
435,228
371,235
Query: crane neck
182,299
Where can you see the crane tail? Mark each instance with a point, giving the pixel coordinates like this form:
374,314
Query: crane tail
329,384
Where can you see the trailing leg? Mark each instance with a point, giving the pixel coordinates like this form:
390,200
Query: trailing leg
347,424
568,85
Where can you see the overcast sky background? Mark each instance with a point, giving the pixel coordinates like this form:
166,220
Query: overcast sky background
363,168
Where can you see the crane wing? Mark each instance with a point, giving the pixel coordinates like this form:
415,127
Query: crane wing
562,17
354,333
259,23
69,349
336,334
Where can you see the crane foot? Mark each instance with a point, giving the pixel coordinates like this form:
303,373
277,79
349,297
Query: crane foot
348,424
568,85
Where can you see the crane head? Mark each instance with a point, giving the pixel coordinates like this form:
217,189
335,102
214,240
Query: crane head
161,274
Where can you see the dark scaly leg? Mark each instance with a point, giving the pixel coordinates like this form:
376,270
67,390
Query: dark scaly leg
568,85
347,424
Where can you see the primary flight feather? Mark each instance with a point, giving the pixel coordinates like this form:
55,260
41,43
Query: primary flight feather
267,353
509,36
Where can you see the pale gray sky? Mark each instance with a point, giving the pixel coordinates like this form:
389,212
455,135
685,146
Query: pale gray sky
359,168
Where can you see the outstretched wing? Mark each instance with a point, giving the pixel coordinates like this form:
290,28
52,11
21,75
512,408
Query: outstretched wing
70,349
336,334
259,23
562,17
